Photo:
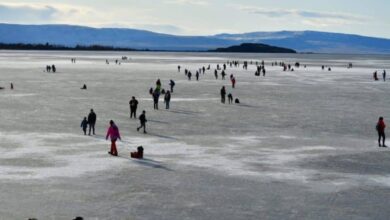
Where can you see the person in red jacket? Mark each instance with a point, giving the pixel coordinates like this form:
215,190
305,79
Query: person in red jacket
233,82
380,127
113,133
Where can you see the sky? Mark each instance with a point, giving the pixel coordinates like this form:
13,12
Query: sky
207,17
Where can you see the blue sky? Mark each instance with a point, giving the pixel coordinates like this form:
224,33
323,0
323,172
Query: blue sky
206,17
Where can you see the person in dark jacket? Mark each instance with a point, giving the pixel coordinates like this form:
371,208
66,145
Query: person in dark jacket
156,96
91,122
223,94
384,75
380,128
84,125
142,119
375,76
167,99
223,74
230,98
133,107
172,84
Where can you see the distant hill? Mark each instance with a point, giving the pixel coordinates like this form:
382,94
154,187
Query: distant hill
254,48
317,42
300,41
71,36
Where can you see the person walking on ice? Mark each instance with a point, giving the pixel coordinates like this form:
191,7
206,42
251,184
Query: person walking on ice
167,99
156,96
84,125
223,94
142,119
233,79
133,107
230,98
380,128
113,133
172,84
91,122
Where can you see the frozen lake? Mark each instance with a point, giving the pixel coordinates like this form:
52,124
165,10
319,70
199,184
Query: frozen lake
301,145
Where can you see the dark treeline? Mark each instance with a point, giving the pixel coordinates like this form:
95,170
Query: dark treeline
254,48
47,46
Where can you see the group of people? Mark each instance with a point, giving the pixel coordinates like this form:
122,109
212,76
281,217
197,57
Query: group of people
91,121
155,93
51,68
375,75
11,86
113,130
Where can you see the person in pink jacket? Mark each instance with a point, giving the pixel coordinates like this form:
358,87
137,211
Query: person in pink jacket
113,133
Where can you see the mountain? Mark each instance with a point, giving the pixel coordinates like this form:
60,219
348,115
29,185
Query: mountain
70,36
301,41
313,41
253,48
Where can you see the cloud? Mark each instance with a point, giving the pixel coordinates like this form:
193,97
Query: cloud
26,13
188,2
155,27
161,28
310,17
40,13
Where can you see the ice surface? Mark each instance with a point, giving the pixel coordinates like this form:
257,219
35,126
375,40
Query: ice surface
301,145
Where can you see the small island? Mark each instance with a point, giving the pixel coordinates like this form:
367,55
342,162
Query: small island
253,48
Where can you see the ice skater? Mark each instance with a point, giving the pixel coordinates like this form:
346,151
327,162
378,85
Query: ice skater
12,86
113,133
380,128
84,125
167,99
223,94
384,75
91,122
84,87
142,120
133,107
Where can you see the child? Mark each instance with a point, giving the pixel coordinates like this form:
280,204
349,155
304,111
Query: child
139,154
84,125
